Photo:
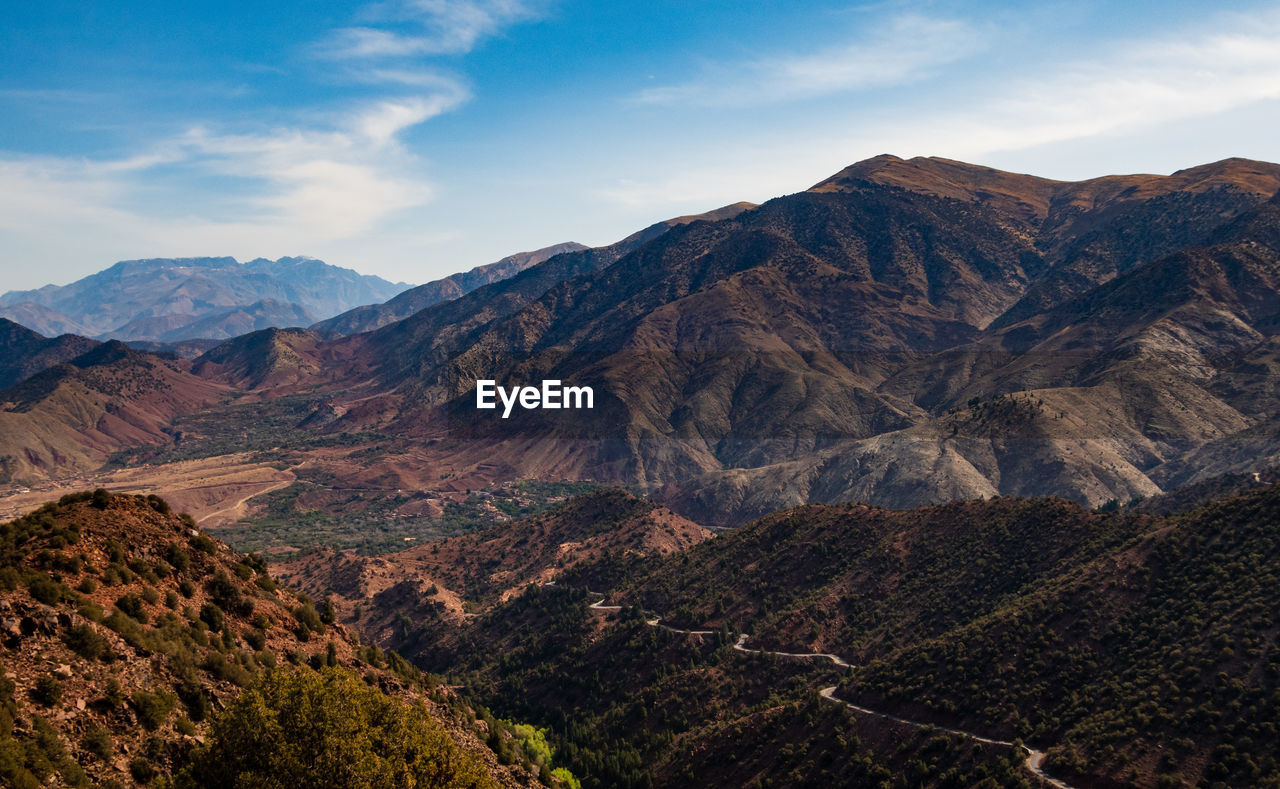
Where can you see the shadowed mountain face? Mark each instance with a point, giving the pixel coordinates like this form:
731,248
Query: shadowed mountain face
374,316
168,300
904,332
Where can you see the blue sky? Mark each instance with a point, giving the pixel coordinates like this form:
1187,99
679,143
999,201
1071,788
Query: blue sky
414,138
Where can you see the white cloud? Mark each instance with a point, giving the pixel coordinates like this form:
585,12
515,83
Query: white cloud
325,181
1132,89
302,186
432,27
907,49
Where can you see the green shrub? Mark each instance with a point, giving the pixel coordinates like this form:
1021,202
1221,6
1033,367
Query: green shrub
48,690
152,708
158,504
86,642
304,728
212,616
201,542
309,617
256,639
217,664
113,696
97,741
10,578
131,605
177,558
142,770
45,589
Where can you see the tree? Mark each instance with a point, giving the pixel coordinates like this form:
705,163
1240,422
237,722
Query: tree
307,729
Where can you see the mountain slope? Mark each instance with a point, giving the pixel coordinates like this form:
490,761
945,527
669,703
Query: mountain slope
1137,650
879,337
223,324
373,316
24,353
824,345
70,417
125,631
446,578
1169,639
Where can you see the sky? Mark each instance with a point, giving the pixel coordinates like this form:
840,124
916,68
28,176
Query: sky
415,138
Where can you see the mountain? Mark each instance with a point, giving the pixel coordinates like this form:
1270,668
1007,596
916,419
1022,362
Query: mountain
42,319
234,322
135,646
373,316
168,300
580,259
24,353
826,345
902,333
71,416
268,357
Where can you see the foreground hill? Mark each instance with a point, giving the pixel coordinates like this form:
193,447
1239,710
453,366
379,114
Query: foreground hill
173,299
124,632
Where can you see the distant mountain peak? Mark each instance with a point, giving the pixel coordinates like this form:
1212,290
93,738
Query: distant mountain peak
176,299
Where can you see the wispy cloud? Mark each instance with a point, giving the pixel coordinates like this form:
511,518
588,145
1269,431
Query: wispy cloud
300,185
906,49
425,27
331,175
1145,84
1134,87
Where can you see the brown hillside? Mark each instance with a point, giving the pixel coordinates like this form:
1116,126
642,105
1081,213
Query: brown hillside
124,630
455,575
71,417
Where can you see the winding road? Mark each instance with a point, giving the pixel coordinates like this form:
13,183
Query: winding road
1032,764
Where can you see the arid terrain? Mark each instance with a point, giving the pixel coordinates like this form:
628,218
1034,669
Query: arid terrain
905,332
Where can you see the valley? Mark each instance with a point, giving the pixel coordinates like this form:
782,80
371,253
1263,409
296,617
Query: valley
1044,632
928,475
904,412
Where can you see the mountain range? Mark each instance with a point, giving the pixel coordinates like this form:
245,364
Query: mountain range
930,474
1124,648
904,332
173,299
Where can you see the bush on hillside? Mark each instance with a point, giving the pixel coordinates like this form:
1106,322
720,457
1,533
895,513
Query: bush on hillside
303,728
